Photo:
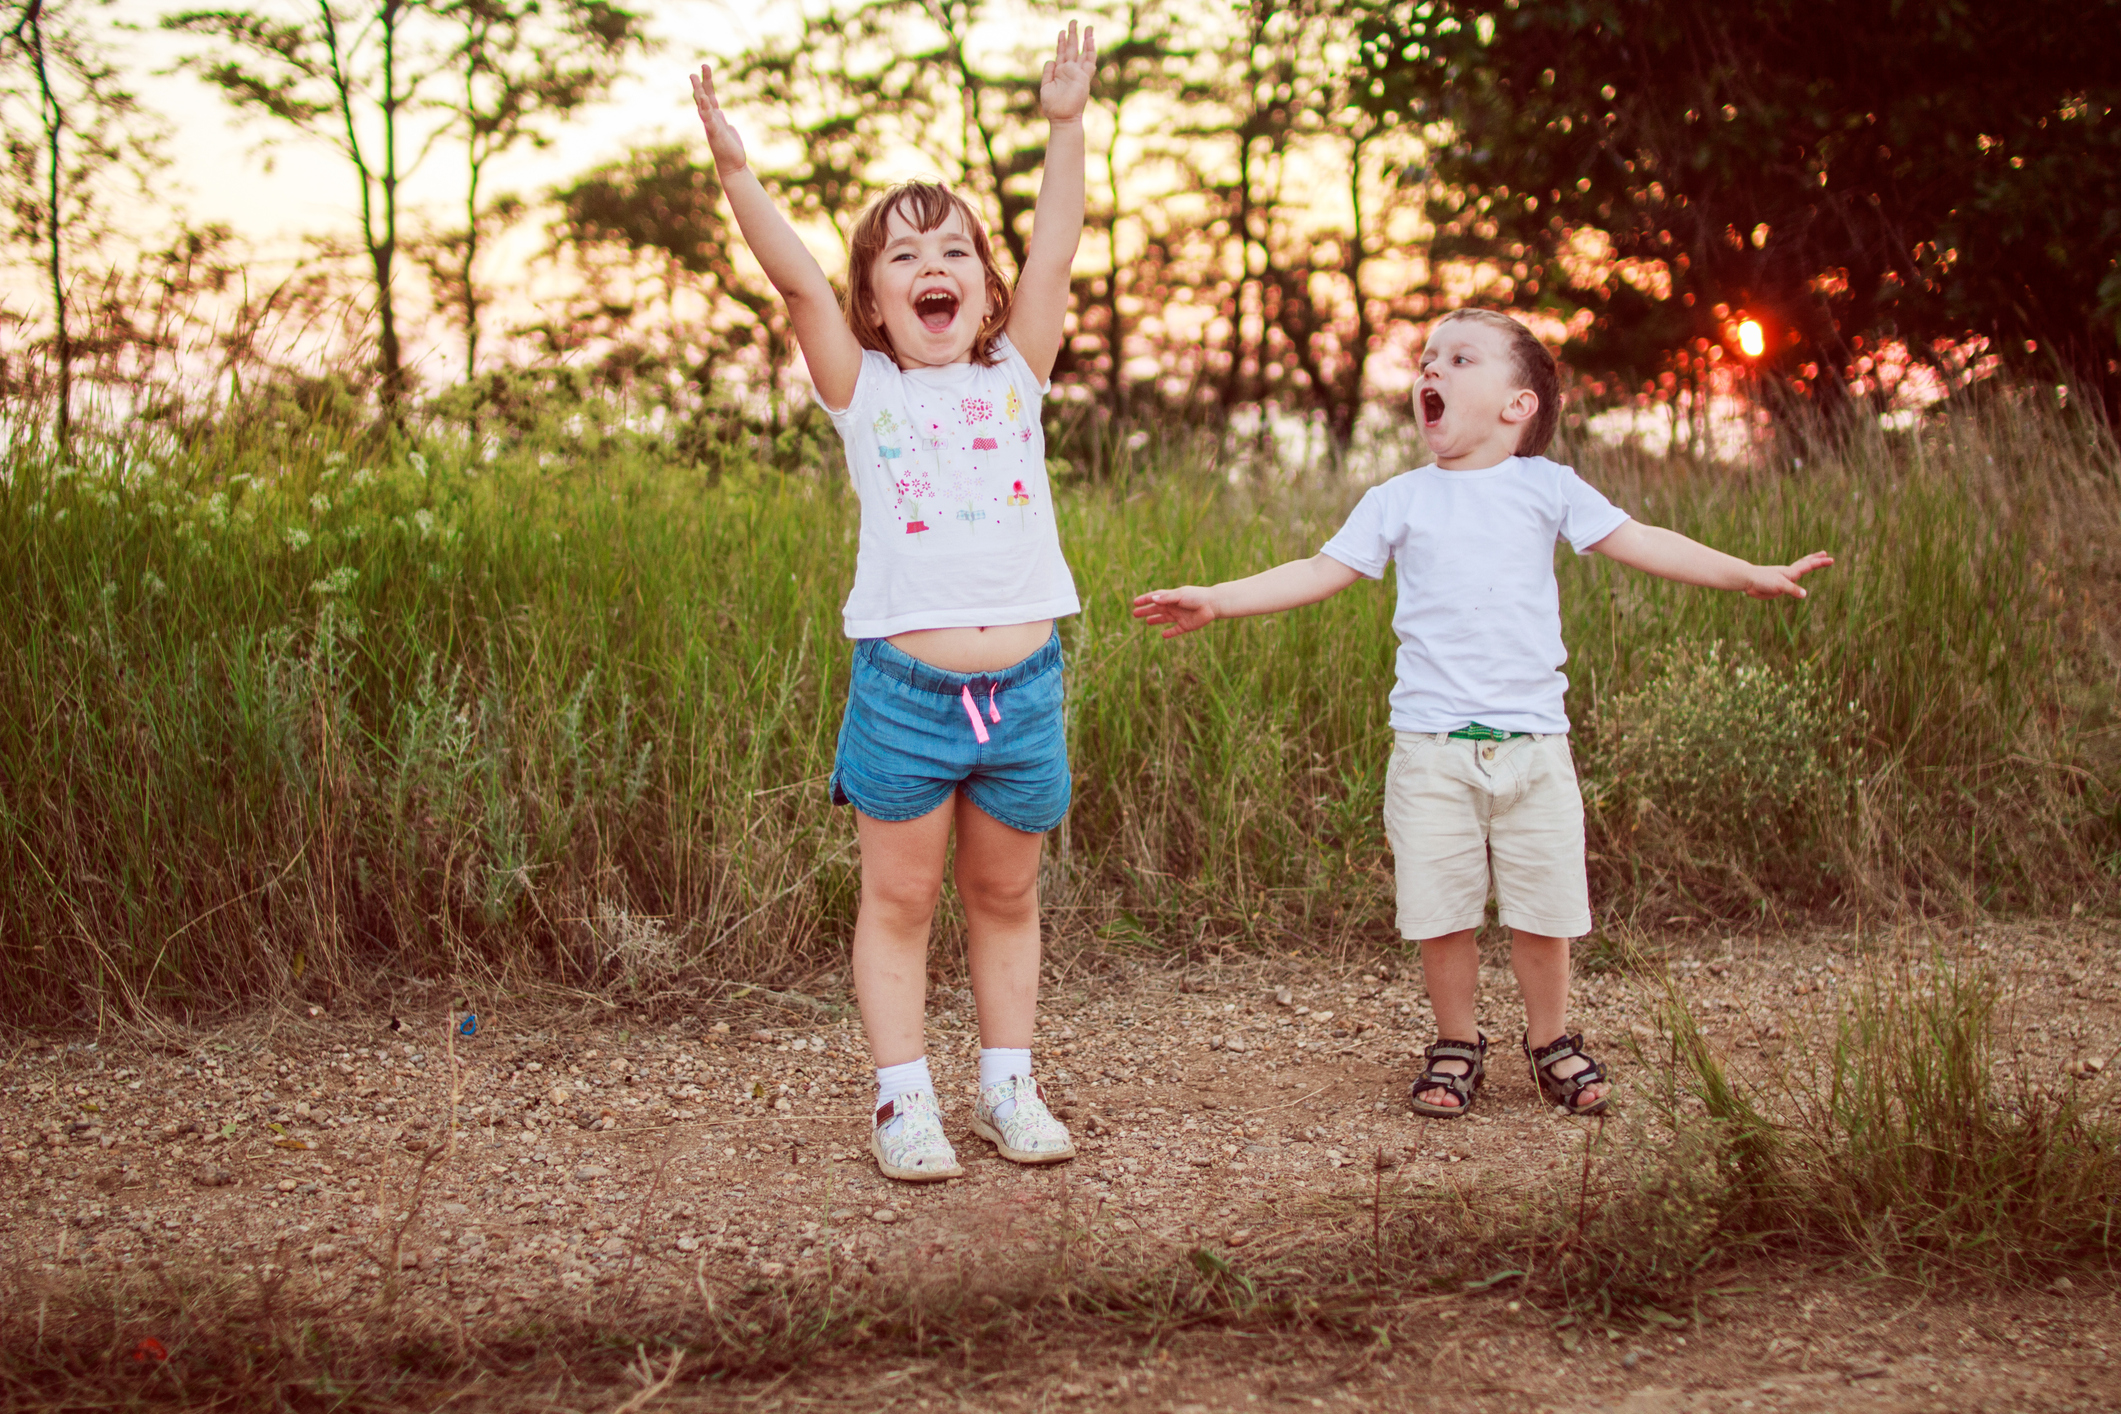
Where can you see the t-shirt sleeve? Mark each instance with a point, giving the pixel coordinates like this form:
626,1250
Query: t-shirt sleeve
875,368
1018,366
1364,543
1587,517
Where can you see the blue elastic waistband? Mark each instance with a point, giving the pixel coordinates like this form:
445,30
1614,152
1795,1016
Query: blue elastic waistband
894,663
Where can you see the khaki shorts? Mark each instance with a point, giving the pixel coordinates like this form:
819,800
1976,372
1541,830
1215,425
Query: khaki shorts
1453,808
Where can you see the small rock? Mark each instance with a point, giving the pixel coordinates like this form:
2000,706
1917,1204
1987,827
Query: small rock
302,1109
589,1172
1321,1016
323,1252
1386,1160
841,1215
1201,1161
212,1176
884,1215
762,1035
771,1269
613,1247
688,1243
1237,1044
286,1185
1215,1043
2061,1284
783,1105
1240,1237
558,1095
720,1028
1630,1360
1284,997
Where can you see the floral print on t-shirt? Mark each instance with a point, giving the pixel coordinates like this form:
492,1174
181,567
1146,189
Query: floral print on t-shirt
959,461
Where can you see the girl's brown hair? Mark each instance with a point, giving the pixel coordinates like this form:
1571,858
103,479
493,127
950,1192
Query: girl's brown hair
1535,369
926,205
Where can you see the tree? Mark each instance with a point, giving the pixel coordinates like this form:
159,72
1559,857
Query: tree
659,264
66,125
1842,171
355,77
520,64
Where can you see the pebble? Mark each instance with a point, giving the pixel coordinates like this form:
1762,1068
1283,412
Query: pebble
688,1243
558,1095
212,1176
884,1215
720,1028
762,1035
771,1269
588,1172
613,1247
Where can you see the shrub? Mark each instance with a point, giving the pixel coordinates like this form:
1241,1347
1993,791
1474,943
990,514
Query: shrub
1739,763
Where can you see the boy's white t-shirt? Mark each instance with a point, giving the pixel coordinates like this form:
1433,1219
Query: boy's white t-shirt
1479,614
958,528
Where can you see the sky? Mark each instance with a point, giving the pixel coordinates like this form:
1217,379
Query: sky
222,171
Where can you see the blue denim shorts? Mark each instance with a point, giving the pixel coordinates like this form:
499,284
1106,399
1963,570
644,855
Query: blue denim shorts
914,735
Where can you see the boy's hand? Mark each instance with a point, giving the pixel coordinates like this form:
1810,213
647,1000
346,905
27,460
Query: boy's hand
1064,87
1777,581
1184,609
722,138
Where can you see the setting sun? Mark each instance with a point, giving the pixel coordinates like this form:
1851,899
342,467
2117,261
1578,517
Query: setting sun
1751,339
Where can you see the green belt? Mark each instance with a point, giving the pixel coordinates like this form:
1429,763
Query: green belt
1474,731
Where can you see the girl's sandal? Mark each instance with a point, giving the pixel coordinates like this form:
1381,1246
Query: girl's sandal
1562,1090
1464,1087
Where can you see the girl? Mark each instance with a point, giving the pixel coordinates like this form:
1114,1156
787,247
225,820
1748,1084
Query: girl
932,369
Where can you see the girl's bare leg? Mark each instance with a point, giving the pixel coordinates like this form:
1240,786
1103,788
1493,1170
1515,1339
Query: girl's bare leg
997,882
902,877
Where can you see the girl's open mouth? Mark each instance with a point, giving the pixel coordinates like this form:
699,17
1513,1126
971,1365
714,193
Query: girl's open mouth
1431,405
935,309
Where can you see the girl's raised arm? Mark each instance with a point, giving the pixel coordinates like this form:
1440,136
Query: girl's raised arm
1038,314
830,350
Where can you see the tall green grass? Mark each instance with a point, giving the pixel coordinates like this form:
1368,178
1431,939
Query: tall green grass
286,703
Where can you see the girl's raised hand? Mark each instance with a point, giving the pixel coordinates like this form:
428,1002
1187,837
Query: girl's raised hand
1064,87
722,138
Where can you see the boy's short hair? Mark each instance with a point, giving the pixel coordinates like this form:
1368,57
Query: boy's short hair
1535,370
926,205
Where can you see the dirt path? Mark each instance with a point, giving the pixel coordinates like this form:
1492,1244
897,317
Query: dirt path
1230,1107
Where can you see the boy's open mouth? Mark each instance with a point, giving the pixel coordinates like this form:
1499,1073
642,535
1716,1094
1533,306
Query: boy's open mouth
935,309
1431,405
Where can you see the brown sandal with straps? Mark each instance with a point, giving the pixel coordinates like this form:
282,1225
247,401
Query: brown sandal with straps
1562,1090
1464,1087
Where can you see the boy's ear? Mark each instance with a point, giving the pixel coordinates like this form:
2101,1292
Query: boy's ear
1521,406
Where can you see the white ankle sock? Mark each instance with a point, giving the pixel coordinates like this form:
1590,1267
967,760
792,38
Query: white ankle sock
893,1081
999,1063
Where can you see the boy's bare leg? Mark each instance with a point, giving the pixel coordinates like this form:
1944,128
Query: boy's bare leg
1450,967
902,877
1542,967
997,882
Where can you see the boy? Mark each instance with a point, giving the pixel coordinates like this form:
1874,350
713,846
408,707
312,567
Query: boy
1481,780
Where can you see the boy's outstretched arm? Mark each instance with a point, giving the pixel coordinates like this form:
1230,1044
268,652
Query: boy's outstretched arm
1288,586
1670,555
830,350
1038,313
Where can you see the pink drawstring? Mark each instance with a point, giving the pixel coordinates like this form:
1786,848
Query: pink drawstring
979,728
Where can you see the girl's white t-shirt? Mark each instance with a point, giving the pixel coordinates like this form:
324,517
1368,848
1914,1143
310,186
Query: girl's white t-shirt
1479,613
958,528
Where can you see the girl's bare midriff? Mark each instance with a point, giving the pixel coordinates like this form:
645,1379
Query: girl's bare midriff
975,650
